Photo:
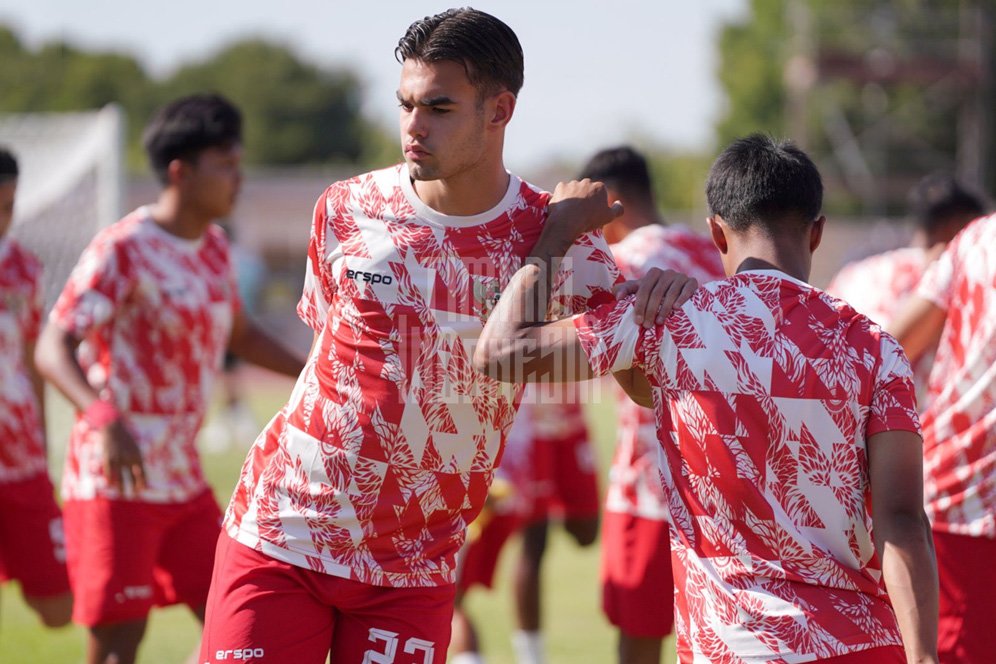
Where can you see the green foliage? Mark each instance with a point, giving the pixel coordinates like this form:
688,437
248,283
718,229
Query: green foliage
295,112
752,56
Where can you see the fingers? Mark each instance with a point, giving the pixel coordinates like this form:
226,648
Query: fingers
680,289
625,289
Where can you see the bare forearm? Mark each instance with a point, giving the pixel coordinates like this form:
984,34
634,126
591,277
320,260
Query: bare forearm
55,359
259,348
37,386
910,573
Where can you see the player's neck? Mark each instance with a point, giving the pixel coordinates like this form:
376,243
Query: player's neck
619,229
772,256
471,192
177,218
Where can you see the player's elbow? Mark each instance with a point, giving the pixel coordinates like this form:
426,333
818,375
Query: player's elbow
47,352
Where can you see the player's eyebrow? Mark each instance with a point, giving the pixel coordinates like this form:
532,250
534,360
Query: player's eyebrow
441,100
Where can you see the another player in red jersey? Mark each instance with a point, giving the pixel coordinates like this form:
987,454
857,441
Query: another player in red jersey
134,342
786,422
32,546
636,558
343,530
956,301
878,286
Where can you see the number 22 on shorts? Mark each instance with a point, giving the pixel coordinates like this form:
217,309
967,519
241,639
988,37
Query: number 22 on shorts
390,649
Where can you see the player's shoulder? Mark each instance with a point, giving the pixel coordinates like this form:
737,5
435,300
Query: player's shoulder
133,227
17,254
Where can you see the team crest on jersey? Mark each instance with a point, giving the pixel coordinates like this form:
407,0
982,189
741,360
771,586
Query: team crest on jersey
487,292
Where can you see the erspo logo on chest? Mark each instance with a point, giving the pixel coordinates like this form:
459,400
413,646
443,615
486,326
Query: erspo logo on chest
369,277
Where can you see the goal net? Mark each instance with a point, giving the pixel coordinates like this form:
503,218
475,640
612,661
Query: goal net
71,183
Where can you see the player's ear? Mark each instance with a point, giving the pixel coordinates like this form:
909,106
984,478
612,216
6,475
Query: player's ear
502,108
176,171
717,231
816,233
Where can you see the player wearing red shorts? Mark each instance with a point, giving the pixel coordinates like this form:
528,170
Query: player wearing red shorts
32,546
957,301
878,286
636,558
343,530
786,420
134,342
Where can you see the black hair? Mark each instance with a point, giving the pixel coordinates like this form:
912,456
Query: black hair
763,181
624,170
187,126
939,198
8,165
487,48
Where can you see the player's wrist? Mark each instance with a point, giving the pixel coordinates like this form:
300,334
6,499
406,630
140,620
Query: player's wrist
101,413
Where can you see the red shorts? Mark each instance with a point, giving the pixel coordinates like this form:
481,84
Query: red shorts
637,586
265,610
127,556
32,545
967,575
883,655
479,558
565,479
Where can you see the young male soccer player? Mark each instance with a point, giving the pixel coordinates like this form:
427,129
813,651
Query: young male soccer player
353,503
878,286
32,547
786,419
636,558
956,301
151,307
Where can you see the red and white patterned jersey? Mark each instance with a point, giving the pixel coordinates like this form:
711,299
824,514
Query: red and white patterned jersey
766,392
959,425
634,479
22,446
154,312
878,287
388,444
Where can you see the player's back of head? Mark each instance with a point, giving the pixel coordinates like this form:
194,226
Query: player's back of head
763,183
189,125
941,206
487,48
8,165
624,170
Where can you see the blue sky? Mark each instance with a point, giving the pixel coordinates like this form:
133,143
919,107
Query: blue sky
597,73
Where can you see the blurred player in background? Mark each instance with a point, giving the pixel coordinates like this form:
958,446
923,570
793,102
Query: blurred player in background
32,545
879,285
956,301
558,483
636,556
343,531
786,419
134,342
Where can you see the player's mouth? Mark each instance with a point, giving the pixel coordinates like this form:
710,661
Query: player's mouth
415,152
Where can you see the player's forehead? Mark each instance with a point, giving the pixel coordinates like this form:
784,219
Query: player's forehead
429,80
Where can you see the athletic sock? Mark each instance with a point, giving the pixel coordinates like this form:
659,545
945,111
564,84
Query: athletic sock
528,647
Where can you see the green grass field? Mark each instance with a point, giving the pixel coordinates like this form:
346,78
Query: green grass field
574,627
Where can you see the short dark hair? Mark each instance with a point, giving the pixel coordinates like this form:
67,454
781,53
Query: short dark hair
487,48
939,198
187,126
624,170
8,165
763,181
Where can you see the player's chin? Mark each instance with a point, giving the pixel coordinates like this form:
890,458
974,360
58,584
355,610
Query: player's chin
421,171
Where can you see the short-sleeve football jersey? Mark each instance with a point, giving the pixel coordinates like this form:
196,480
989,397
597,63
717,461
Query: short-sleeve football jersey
878,286
766,392
22,447
959,425
154,312
634,478
386,449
